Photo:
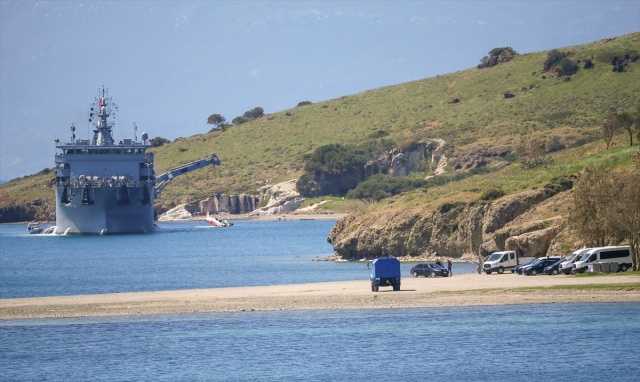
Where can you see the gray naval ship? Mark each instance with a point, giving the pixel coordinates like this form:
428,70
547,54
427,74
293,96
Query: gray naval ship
108,188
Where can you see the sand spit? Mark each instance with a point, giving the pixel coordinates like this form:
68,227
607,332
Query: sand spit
459,290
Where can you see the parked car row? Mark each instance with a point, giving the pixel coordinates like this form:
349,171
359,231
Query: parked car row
613,259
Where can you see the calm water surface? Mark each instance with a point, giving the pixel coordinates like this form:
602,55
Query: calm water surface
585,342
597,342
186,255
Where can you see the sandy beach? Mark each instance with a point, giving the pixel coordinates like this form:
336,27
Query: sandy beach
459,290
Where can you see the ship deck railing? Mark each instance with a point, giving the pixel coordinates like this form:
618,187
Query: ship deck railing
102,183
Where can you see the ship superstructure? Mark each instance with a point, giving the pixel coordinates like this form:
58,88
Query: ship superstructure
103,187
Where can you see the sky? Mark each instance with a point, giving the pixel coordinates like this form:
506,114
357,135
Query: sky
169,65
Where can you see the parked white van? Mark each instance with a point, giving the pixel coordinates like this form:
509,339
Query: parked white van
567,265
619,255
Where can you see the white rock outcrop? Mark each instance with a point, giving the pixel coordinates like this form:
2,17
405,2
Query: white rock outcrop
282,198
176,213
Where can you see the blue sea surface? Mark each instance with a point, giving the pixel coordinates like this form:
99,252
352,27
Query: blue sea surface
582,342
555,342
180,255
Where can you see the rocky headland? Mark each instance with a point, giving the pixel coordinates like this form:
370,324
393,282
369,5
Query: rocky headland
464,231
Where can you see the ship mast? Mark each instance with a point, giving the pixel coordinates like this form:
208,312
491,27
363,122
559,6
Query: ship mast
101,109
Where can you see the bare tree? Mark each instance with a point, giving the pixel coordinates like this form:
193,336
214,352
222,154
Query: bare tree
588,210
606,207
626,123
610,128
626,218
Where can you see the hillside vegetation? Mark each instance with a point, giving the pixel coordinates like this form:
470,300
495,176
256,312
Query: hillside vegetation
467,109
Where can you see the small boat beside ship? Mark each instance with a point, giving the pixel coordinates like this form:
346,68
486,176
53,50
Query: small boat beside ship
34,228
214,221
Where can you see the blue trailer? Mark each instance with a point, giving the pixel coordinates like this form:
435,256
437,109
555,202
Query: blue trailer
385,271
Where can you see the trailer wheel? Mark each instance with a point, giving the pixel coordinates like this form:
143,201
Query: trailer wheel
623,268
513,270
500,270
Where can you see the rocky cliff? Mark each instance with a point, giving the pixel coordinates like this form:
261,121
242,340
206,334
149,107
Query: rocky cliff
280,198
37,210
465,231
219,204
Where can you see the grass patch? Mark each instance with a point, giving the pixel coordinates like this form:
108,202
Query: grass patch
600,274
633,286
274,149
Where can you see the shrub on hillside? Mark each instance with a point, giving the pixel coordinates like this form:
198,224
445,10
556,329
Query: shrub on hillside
380,186
569,67
378,134
254,113
158,141
492,194
240,120
559,184
554,144
307,187
335,169
553,57
335,159
496,56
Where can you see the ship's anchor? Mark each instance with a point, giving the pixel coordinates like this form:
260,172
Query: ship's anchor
65,197
145,196
123,195
86,196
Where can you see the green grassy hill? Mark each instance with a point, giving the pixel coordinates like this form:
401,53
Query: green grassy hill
273,148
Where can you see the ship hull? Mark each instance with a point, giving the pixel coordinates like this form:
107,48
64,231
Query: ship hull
104,210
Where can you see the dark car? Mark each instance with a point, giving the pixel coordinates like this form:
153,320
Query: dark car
554,268
429,270
538,265
518,268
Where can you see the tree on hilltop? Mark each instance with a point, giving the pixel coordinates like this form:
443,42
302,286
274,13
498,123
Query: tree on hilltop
249,115
217,120
254,113
158,141
496,56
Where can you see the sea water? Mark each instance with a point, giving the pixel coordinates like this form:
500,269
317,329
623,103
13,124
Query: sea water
182,255
557,342
554,342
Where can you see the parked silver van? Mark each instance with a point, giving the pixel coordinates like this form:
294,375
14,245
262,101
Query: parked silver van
567,265
619,255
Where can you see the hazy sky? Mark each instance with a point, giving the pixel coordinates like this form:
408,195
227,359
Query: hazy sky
170,64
